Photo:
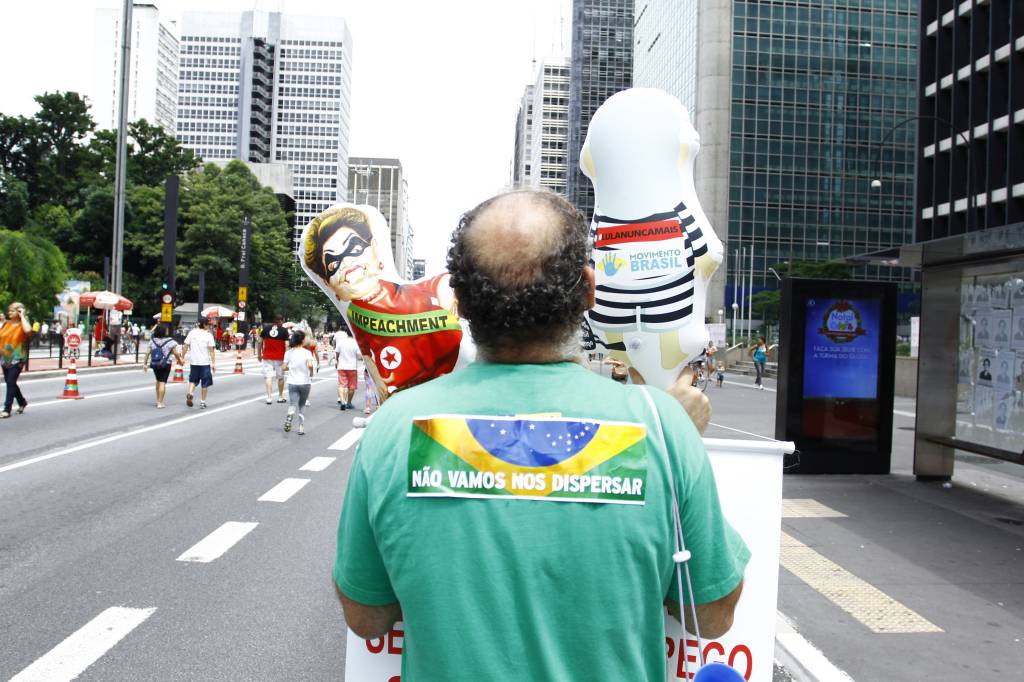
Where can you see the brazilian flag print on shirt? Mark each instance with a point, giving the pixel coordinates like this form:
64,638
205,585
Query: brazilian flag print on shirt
528,458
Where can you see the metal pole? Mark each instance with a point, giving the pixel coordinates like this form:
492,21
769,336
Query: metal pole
742,281
117,257
750,296
202,294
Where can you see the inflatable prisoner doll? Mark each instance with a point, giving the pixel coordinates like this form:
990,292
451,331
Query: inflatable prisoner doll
654,249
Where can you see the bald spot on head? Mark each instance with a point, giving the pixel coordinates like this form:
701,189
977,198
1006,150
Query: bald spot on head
513,236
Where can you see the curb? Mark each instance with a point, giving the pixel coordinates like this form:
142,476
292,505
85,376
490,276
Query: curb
799,658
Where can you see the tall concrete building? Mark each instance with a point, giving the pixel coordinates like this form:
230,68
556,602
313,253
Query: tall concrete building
602,64
381,183
793,100
270,87
969,233
153,74
542,130
522,150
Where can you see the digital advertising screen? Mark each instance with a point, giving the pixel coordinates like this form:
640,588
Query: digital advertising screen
837,354
841,348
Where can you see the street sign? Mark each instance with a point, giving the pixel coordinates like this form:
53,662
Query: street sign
167,298
243,294
74,340
166,312
241,305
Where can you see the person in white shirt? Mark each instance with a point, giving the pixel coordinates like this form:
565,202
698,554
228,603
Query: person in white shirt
298,367
199,349
346,354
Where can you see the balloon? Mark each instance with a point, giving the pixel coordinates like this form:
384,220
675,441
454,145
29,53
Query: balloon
654,249
408,332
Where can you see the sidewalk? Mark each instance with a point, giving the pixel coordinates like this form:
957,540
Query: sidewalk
886,577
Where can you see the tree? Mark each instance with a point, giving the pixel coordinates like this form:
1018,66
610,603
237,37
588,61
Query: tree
13,202
766,305
61,126
814,269
152,154
214,201
32,270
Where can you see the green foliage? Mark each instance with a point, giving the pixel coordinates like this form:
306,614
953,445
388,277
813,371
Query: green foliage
766,305
56,180
32,270
903,350
815,269
14,208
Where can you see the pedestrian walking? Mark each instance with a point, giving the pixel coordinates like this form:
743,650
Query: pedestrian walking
760,354
346,354
464,481
200,349
14,337
298,364
270,351
163,350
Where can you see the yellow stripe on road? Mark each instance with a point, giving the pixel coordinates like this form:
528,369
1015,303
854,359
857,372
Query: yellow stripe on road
876,610
808,509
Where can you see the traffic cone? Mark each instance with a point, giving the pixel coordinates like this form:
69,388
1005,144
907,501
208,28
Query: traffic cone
71,383
179,375
238,363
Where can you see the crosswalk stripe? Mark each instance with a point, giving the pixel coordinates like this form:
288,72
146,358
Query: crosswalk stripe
317,464
217,542
70,658
876,610
795,508
283,491
348,440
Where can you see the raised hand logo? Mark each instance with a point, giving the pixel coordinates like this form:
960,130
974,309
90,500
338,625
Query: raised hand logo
611,264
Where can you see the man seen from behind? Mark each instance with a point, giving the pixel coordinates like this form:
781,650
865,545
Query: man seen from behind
517,513
200,349
271,349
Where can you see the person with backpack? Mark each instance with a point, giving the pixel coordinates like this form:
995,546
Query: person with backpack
163,350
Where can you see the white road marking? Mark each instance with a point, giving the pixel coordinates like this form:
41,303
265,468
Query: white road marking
804,655
795,508
70,658
93,396
283,491
912,415
217,542
752,386
873,608
748,433
127,434
348,440
317,464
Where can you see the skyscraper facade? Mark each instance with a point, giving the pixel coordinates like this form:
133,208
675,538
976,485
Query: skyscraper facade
382,184
548,158
602,64
522,150
270,88
814,88
153,74
665,48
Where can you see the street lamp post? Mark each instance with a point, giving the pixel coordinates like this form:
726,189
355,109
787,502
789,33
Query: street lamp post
972,200
117,253
735,308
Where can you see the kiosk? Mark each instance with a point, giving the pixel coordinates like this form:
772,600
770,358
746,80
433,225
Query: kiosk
836,371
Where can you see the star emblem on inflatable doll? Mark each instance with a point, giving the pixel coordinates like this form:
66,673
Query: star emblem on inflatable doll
390,357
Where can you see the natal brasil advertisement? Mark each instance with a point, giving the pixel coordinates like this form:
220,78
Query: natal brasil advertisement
841,348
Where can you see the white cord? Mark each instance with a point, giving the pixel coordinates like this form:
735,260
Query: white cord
681,556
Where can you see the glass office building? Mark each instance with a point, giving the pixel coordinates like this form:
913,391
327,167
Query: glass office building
602,64
818,87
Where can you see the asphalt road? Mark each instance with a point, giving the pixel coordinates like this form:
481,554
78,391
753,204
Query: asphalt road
103,526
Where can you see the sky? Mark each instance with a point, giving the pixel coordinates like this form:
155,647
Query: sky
434,84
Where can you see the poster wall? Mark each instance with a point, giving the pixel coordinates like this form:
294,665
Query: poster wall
749,479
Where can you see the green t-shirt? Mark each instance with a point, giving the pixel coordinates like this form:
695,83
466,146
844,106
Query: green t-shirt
497,588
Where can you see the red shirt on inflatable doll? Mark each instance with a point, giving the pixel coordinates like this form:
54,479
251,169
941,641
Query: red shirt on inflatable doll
405,330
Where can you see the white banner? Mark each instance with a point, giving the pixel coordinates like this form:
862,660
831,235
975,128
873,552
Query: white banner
716,331
915,335
749,478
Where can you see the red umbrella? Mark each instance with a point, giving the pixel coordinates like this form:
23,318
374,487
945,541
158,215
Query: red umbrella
105,300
